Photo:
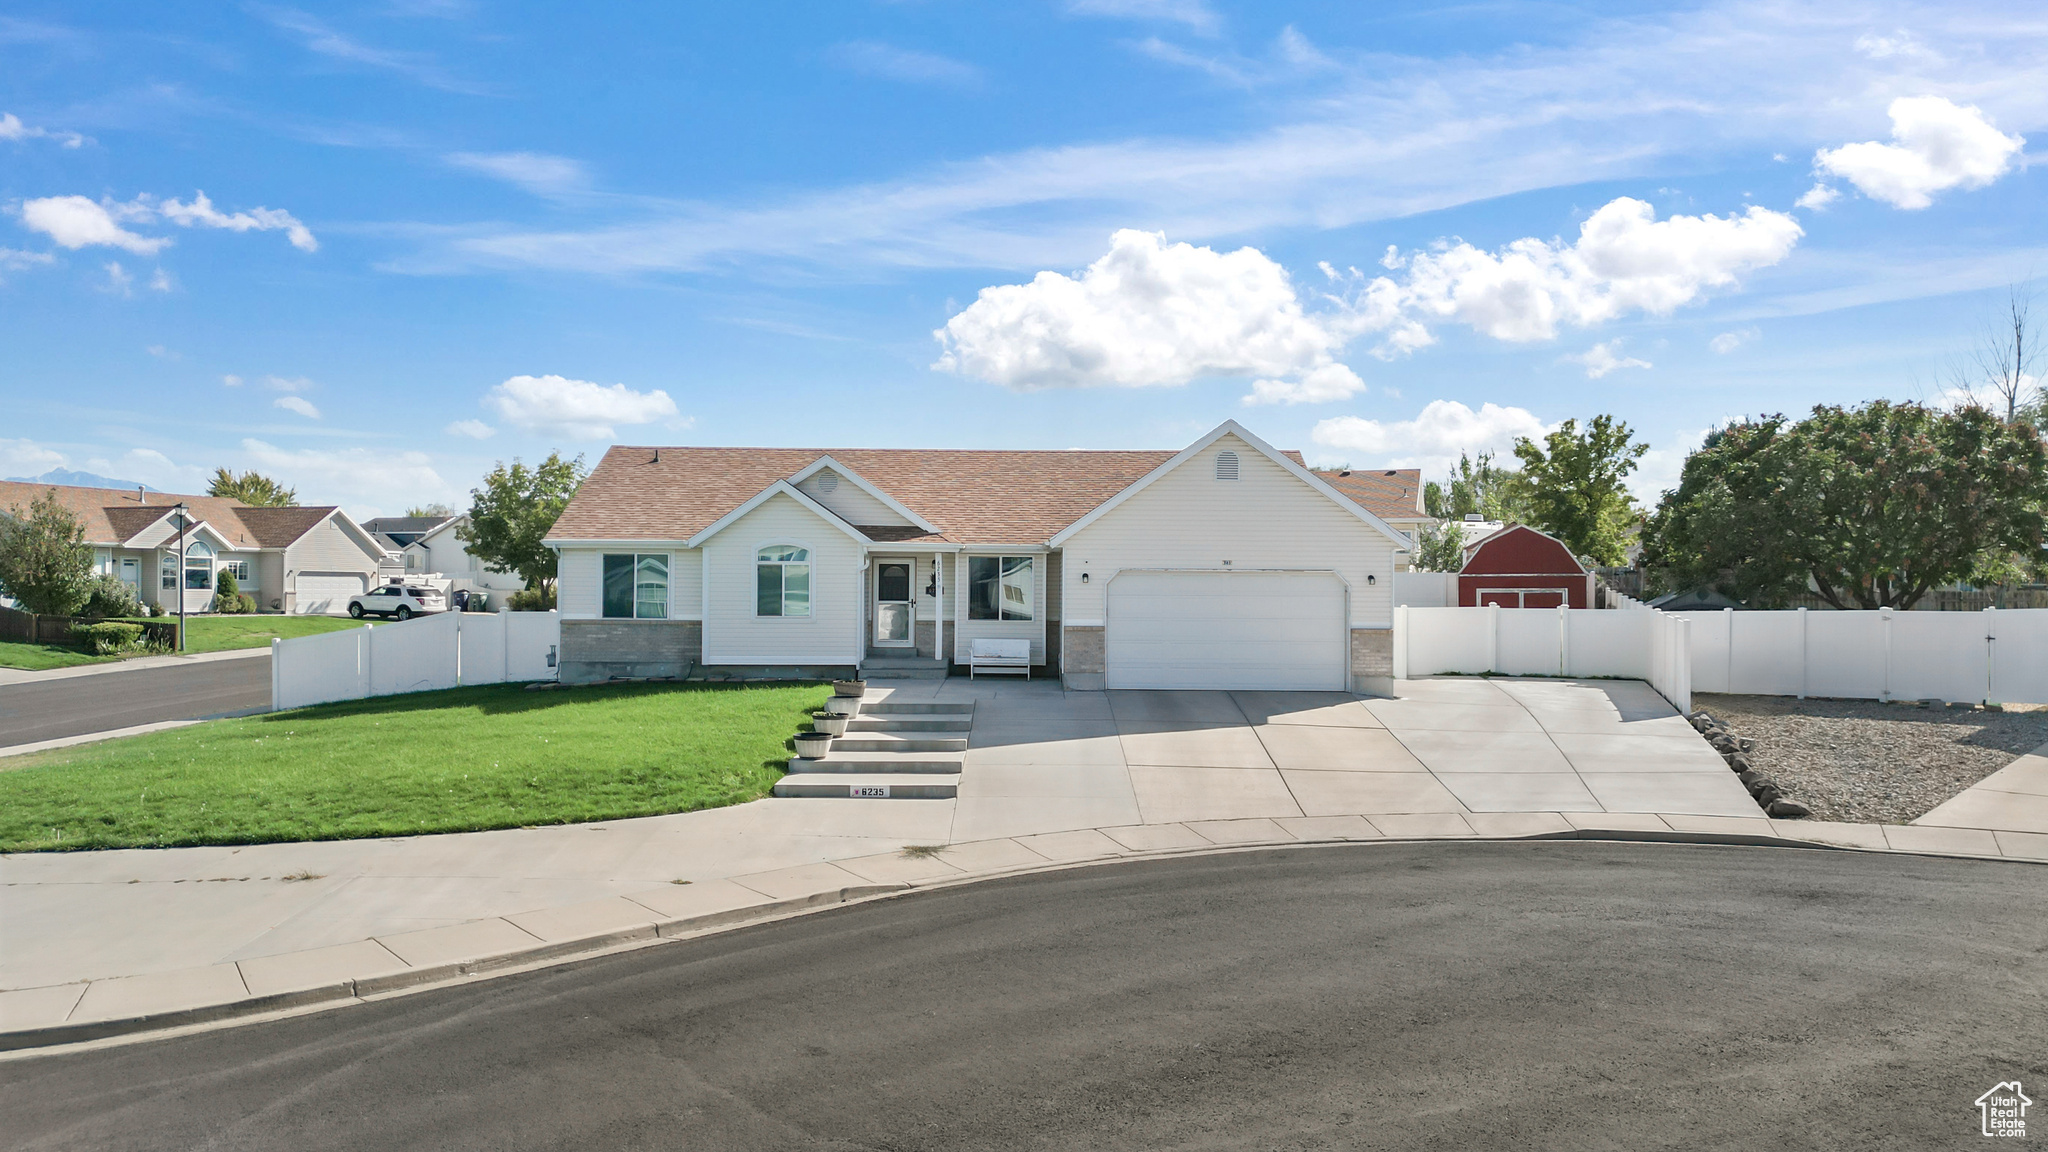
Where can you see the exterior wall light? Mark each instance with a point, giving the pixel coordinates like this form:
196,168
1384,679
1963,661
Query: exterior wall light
1084,577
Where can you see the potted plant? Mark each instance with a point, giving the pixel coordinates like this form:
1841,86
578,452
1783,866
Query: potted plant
853,688
813,745
831,723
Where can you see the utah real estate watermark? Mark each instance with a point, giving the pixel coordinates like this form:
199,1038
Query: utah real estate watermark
2003,1110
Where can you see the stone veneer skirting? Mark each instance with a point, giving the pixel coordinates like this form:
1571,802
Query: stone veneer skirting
1081,657
594,650
1372,660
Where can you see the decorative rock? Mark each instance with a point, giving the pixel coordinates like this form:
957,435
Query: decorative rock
1767,795
1751,778
1739,761
1787,810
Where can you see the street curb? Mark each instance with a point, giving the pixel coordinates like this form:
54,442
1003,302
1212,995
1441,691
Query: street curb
35,1041
23,676
422,979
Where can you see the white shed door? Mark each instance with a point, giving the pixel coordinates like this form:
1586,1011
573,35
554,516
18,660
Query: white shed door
1271,630
326,595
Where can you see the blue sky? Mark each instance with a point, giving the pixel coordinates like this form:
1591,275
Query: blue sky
372,248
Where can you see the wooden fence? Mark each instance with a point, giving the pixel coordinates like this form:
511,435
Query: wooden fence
30,628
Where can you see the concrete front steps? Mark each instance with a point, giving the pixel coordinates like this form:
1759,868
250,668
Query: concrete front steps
896,751
902,668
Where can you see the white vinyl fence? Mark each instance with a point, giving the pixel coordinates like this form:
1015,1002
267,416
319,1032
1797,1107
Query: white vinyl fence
1997,655
445,650
1637,644
1426,589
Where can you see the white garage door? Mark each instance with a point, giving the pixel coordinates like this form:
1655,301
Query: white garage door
326,595
1272,630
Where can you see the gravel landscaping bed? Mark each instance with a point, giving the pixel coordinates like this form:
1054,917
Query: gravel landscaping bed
1870,762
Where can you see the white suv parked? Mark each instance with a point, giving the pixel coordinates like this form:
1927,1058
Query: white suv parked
404,601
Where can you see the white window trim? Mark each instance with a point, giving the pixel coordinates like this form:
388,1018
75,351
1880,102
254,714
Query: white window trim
669,599
754,577
1037,585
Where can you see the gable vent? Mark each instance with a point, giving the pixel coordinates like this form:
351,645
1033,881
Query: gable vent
1226,465
829,482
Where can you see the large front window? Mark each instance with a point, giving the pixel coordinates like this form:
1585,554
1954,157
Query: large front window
169,568
1000,588
636,585
199,566
782,581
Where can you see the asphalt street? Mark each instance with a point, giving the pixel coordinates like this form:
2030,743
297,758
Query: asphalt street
103,702
1560,995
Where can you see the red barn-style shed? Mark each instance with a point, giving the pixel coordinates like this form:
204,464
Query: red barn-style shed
1519,567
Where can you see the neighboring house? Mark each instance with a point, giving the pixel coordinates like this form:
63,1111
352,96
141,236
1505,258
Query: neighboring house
1695,600
403,530
439,550
1519,567
297,560
1226,565
1392,494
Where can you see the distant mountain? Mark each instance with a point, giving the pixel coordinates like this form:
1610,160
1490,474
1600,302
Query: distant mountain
71,479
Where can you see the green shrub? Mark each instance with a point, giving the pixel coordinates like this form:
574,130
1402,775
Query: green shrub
228,597
110,596
108,638
532,600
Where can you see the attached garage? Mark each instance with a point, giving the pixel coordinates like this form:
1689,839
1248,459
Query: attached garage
1223,630
325,595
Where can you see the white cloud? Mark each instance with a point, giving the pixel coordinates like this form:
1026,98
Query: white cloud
1625,260
27,458
13,259
537,172
319,38
1291,57
160,281
364,477
119,282
201,213
473,429
1193,13
1817,197
76,222
1603,358
299,404
577,409
162,353
1435,438
11,128
1317,386
1937,145
288,384
1147,314
151,467
1900,43
231,380
888,62
1728,342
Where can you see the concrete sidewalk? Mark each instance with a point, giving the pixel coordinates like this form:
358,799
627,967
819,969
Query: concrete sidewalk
136,664
111,940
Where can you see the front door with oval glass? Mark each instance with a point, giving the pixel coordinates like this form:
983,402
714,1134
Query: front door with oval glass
895,604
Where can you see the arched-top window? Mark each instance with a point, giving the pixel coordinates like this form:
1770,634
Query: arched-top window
198,565
782,581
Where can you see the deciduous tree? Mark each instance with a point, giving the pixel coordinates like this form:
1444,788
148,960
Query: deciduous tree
45,563
1871,507
1575,486
511,514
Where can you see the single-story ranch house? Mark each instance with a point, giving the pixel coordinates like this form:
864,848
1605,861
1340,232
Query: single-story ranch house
296,560
1226,565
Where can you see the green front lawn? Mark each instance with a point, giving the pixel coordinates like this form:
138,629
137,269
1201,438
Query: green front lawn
455,761
43,657
220,633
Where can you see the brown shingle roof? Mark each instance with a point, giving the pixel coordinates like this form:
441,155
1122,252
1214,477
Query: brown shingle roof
973,497
112,516
1389,493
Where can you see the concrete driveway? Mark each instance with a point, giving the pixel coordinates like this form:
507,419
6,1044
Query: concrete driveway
1038,755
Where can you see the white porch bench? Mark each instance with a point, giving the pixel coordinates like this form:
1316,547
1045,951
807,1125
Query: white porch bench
999,657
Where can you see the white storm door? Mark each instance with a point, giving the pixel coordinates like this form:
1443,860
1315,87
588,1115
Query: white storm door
895,603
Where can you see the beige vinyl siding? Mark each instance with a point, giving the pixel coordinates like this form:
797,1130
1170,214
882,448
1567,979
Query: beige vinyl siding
1268,518
579,581
328,548
830,635
270,576
850,500
1032,630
